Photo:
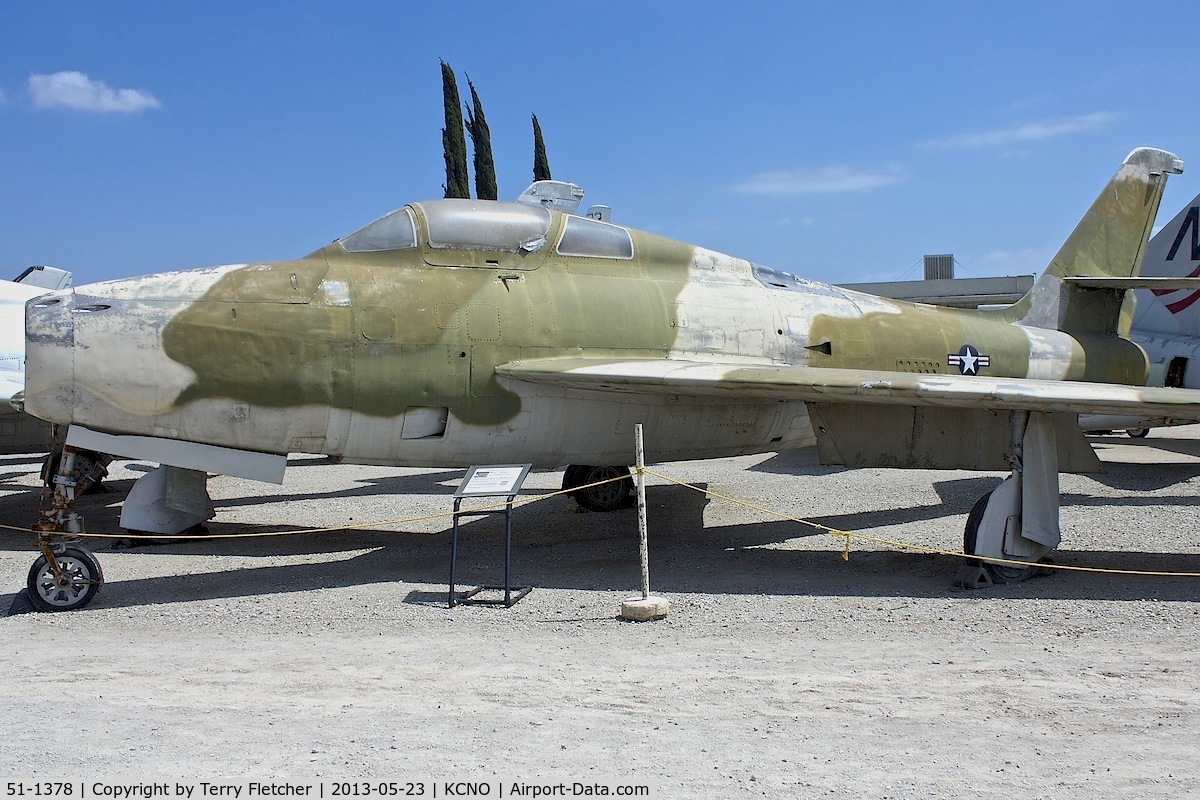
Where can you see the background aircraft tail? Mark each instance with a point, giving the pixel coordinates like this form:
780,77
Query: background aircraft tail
1109,242
1174,252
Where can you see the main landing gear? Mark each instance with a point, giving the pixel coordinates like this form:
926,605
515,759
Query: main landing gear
66,576
1017,521
605,497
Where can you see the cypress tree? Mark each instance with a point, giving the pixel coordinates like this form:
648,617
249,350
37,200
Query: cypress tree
481,143
454,144
541,167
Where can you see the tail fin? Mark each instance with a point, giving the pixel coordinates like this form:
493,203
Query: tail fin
1174,252
1109,242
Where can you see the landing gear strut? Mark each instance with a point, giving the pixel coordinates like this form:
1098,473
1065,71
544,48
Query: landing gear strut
606,496
90,467
66,576
1018,520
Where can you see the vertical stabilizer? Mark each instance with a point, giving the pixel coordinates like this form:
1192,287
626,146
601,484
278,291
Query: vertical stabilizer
1109,242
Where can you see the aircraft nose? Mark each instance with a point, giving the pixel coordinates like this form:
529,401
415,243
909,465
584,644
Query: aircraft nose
95,353
49,356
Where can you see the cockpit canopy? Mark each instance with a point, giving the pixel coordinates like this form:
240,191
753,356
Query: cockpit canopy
483,225
457,225
488,226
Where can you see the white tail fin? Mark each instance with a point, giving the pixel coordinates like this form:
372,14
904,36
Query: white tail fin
1174,252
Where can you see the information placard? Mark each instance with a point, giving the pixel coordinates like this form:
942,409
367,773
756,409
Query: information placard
495,480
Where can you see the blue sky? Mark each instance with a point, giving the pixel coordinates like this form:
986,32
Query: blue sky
840,141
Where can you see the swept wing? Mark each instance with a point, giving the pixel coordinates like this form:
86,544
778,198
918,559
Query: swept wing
824,385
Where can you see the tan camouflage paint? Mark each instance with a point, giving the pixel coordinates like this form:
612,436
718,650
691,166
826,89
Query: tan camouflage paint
328,353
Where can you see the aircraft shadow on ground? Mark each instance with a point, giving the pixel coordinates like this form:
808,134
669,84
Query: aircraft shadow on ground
599,552
20,508
802,461
1163,441
1146,477
102,509
428,483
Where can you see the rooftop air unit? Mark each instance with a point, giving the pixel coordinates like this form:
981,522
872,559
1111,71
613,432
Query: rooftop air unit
938,267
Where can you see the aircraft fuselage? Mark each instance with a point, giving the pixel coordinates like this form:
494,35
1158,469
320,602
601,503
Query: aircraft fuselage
374,353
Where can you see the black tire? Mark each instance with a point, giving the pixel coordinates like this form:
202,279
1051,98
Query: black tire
572,476
1137,433
81,580
999,573
605,497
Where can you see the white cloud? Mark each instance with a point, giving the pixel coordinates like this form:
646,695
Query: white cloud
1029,132
76,91
827,180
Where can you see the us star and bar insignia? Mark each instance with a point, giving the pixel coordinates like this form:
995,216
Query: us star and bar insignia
968,360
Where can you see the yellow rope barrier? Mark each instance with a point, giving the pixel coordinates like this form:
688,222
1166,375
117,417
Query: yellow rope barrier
527,500
915,547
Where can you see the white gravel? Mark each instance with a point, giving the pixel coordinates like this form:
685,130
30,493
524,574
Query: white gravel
782,671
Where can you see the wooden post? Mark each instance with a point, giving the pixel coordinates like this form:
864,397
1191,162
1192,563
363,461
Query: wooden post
646,607
643,528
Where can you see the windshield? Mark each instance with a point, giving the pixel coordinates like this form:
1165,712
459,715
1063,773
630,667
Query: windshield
393,232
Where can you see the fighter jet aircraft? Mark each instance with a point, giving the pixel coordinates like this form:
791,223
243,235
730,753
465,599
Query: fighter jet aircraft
460,332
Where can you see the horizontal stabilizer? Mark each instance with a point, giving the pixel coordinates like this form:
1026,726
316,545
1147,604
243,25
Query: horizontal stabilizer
1139,282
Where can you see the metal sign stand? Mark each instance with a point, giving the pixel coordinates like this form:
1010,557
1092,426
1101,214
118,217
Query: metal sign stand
505,481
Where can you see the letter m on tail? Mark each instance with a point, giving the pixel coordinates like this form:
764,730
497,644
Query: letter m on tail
1192,223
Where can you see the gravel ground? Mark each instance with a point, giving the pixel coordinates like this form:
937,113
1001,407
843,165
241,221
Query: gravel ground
781,671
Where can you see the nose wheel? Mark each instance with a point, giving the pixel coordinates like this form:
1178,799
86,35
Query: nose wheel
64,578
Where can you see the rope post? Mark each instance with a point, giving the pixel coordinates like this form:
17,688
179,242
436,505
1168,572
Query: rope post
643,528
646,607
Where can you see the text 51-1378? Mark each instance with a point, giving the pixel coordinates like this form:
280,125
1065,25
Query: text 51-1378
39,789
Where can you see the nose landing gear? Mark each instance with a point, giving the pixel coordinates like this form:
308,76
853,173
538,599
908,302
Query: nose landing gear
66,576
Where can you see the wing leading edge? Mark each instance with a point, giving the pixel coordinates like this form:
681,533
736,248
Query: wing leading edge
824,385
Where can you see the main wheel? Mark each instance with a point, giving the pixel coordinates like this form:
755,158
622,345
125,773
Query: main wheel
999,573
78,583
605,497
1137,433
